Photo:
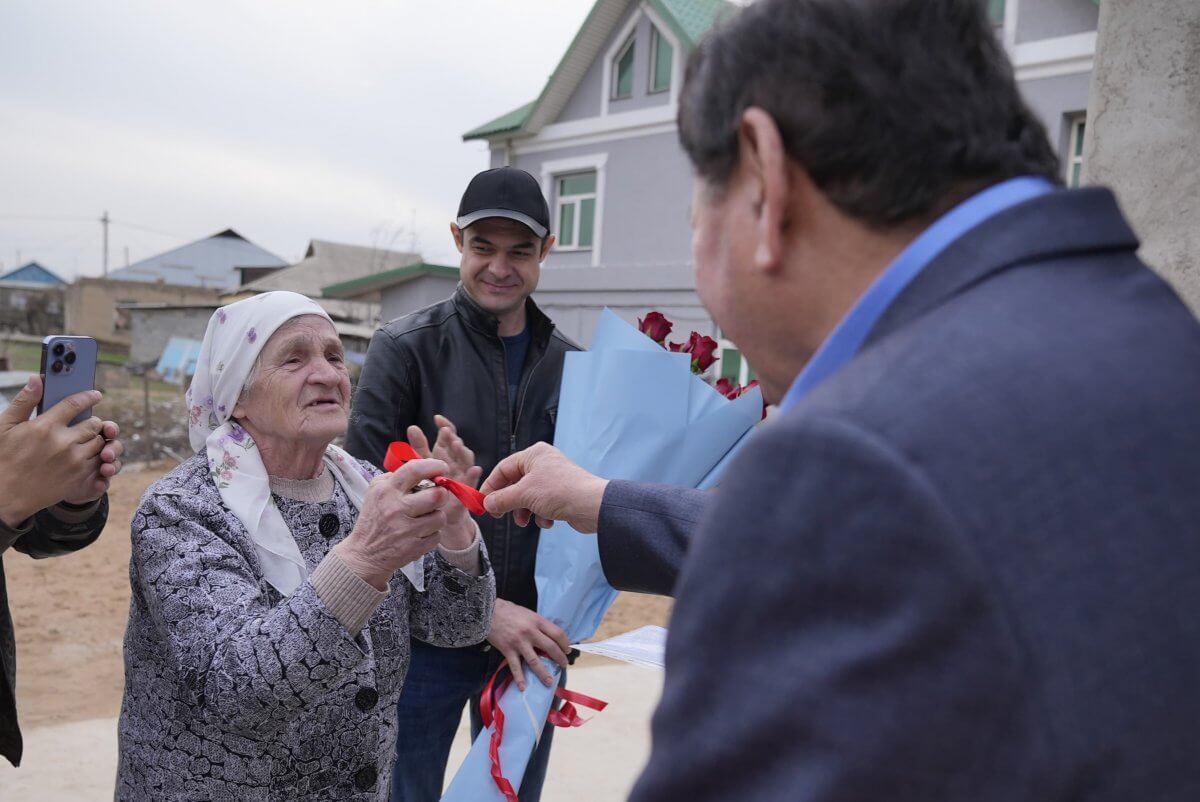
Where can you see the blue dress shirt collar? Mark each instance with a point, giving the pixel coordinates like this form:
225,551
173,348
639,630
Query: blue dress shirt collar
848,336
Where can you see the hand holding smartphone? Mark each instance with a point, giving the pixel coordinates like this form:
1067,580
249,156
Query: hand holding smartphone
68,367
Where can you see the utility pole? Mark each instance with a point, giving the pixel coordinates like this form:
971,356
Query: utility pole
147,423
127,256
104,225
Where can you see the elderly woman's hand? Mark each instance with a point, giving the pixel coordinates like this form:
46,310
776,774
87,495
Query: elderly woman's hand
450,448
395,526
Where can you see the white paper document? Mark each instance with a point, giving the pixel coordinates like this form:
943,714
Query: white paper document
644,646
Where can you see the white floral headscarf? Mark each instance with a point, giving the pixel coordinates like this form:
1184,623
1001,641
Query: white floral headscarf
235,337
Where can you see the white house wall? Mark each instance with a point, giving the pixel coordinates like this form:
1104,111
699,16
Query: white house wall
576,315
588,99
1053,42
644,207
417,293
1048,19
1055,100
575,298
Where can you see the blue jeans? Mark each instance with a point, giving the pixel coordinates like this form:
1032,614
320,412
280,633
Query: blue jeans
439,683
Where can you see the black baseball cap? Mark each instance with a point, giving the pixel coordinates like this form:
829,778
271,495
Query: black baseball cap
505,192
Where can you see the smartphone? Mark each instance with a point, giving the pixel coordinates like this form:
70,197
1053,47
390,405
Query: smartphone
68,367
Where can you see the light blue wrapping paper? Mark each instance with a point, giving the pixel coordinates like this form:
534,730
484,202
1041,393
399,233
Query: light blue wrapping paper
628,409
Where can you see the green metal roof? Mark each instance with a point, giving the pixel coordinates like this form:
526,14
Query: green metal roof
688,19
505,122
691,19
377,281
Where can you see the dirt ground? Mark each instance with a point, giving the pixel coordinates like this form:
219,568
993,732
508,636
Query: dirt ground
70,615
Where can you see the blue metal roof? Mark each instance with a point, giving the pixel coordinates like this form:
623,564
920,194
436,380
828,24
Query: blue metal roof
210,262
32,272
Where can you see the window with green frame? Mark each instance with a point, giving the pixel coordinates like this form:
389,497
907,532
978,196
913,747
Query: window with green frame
1074,160
732,365
622,78
576,211
661,57
996,11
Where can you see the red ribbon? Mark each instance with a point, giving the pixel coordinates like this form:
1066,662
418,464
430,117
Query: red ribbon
491,713
400,452
490,717
567,715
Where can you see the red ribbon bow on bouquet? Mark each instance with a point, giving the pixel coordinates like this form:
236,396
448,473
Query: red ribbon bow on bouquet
400,452
490,713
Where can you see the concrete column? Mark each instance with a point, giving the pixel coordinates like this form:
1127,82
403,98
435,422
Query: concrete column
1143,129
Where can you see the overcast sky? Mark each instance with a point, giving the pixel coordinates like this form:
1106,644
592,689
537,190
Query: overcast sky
286,121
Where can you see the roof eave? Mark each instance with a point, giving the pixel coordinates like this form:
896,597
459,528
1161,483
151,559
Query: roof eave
531,124
358,288
567,74
502,133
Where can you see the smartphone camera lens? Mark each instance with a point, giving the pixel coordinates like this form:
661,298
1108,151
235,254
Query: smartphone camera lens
69,358
57,366
59,348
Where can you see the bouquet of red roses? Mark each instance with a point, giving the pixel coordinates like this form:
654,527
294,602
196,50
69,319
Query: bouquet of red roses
702,348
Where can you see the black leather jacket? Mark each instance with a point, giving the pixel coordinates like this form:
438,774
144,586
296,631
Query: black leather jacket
448,359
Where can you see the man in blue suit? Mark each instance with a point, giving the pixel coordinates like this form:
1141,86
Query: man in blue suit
963,562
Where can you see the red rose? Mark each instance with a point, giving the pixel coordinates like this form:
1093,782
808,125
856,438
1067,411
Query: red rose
703,350
655,326
731,391
676,347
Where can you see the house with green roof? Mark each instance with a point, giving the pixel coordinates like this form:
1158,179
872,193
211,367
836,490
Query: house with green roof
601,137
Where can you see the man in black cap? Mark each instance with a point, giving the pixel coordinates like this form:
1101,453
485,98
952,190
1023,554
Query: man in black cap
484,366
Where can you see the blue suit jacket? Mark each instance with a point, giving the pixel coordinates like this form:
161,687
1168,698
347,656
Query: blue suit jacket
966,567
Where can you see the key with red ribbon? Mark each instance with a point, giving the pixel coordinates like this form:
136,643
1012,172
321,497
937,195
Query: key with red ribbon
400,452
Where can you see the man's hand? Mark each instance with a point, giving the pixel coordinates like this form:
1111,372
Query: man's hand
45,460
450,449
110,466
521,634
540,482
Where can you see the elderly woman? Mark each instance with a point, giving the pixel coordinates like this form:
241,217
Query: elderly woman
276,580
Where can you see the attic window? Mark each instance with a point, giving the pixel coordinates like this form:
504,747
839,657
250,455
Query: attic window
661,56
622,85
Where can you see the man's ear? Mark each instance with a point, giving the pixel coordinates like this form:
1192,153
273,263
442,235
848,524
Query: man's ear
547,244
764,163
457,233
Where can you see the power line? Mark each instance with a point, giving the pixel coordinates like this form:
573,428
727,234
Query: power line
146,229
50,218
104,220
44,218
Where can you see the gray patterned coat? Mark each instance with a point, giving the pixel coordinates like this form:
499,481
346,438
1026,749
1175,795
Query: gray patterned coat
233,692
